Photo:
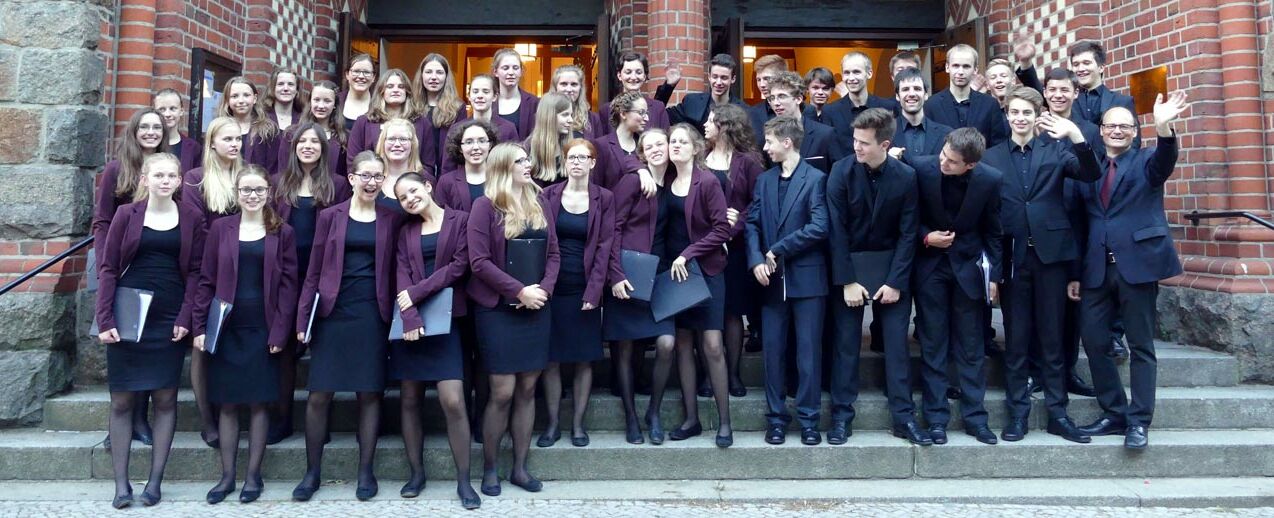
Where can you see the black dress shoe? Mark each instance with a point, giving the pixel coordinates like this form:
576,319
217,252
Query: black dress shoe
1035,386
632,434
214,443
912,431
1136,438
216,496
655,429
954,393
775,434
493,489
681,434
368,492
149,499
1076,385
413,488
548,438
1064,428
1118,350
470,502
304,492
725,441
938,432
530,485
278,434
143,436
1103,426
810,436
248,496
122,501
582,441
982,433
839,433
1015,430
738,390
705,390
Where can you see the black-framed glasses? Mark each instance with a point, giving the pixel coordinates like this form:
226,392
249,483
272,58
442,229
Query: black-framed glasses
248,191
369,178
578,158
1120,127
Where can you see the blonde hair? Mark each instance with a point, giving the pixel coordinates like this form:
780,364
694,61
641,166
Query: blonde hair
413,157
495,63
262,127
218,185
449,103
580,115
545,141
148,163
378,111
519,207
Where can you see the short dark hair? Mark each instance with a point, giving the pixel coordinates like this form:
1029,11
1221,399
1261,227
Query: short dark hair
632,56
905,55
786,127
724,60
969,142
456,134
1099,52
909,74
1061,74
878,119
820,74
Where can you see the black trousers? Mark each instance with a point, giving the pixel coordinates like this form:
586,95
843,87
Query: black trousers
804,317
1034,307
848,343
943,308
1135,304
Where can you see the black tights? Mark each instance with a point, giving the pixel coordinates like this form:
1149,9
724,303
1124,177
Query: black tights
258,425
659,379
316,417
581,387
516,392
121,434
714,359
451,398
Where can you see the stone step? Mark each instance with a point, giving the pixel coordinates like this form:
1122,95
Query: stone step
29,454
1241,407
1179,366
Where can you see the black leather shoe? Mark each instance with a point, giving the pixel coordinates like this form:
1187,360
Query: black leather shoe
143,436
216,496
214,443
655,429
737,389
548,438
912,431
1015,430
1103,426
248,496
1064,428
840,432
1136,438
493,489
938,432
954,393
1118,350
368,492
725,441
470,501
149,499
681,434
530,485
413,488
582,441
1076,385
982,433
810,436
278,434
775,434
304,492
1035,386
705,390
122,501
632,434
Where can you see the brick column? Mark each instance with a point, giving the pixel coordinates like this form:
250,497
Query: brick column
679,33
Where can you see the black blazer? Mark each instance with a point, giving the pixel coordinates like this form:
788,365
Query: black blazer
794,228
976,225
693,108
935,136
840,115
860,225
819,148
1033,210
759,114
984,114
1107,99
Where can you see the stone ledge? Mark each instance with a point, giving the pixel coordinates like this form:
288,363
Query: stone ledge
1234,323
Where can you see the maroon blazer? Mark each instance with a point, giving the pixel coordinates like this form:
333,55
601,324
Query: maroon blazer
705,220
452,191
361,138
104,207
658,113
451,262
612,162
336,160
262,152
505,131
635,216
526,115
297,111
341,193
327,262
599,244
745,168
194,196
122,240
219,276
191,153
597,126
486,258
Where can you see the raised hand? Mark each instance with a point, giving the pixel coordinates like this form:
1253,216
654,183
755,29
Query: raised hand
978,83
672,75
1023,49
1168,111
1059,127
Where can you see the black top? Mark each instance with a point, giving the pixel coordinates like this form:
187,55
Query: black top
157,254
784,182
251,281
360,251
429,251
914,137
303,219
962,111
349,124
175,149
572,234
476,191
1021,161
515,118
677,234
389,203
534,233
953,190
723,177
873,182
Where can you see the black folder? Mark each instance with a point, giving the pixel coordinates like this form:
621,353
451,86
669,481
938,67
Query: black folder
669,297
435,312
640,270
131,308
309,326
524,260
872,268
218,312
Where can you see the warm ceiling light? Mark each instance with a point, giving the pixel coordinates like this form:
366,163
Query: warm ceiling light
749,54
527,50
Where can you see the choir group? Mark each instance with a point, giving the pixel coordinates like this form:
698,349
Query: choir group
330,220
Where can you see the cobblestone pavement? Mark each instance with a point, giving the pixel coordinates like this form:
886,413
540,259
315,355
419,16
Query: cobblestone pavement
608,509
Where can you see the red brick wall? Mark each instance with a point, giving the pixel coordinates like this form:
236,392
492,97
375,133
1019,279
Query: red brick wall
679,33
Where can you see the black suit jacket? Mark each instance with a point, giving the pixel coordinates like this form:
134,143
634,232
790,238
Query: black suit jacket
984,114
1107,99
1033,210
794,228
819,147
976,225
858,224
693,108
759,114
935,135
840,115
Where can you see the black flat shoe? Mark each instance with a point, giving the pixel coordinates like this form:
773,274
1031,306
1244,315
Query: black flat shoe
681,434
725,441
278,435
954,393
530,485
810,436
582,441
938,432
144,436
412,488
1103,426
632,434
1064,428
493,489
214,443
216,496
775,434
1015,430
368,492
150,499
656,430
248,496
983,434
738,390
912,432
304,493
470,501
840,432
122,501
705,391
1136,438
546,439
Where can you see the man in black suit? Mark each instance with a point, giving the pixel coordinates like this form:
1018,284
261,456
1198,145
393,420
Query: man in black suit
818,146
959,106
766,68
856,74
787,226
957,270
1129,251
694,108
1042,243
872,201
1088,62
917,134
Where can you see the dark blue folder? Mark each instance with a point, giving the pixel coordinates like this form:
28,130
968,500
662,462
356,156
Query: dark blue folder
218,312
640,269
435,312
669,297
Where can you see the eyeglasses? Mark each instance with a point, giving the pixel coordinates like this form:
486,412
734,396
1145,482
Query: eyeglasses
578,158
779,97
640,112
248,191
475,142
362,73
370,178
1120,127
398,140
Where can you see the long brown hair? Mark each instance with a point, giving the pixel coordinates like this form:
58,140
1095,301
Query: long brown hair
519,208
582,109
334,125
131,155
733,128
293,176
262,127
298,102
545,141
378,111
269,217
449,103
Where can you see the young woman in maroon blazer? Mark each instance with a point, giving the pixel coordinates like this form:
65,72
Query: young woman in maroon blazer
439,105
326,113
631,69
433,254
469,143
351,272
249,262
583,215
399,147
482,90
282,102
617,151
356,99
554,126
514,340
169,104
733,159
391,99
696,227
153,244
512,102
260,133
568,80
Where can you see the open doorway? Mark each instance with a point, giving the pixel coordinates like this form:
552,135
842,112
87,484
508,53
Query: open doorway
469,58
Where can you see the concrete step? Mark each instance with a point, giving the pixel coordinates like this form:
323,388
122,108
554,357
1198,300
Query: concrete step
1240,407
28,454
1179,366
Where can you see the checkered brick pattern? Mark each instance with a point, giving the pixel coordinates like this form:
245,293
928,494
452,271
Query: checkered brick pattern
293,35
1048,23
960,12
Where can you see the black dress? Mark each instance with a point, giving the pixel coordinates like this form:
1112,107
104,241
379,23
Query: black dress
709,316
432,358
738,278
631,319
303,219
476,191
516,119
243,371
514,340
348,350
577,334
154,362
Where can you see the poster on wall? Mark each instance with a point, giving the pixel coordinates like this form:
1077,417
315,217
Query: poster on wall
209,73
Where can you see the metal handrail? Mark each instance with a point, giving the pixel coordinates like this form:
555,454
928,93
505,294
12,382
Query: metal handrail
46,264
1195,216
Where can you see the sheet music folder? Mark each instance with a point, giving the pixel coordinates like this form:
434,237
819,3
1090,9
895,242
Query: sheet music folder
435,312
669,297
640,269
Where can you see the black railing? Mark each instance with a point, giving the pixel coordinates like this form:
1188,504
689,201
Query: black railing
1195,216
45,265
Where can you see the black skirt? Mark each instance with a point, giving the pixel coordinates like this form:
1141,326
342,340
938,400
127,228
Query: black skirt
741,289
348,348
155,362
243,371
709,316
513,340
577,334
631,320
432,358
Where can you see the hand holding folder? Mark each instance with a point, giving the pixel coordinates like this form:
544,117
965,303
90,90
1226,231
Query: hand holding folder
131,308
435,313
640,270
218,312
670,297
872,268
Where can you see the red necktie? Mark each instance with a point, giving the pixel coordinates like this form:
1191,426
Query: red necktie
1108,185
